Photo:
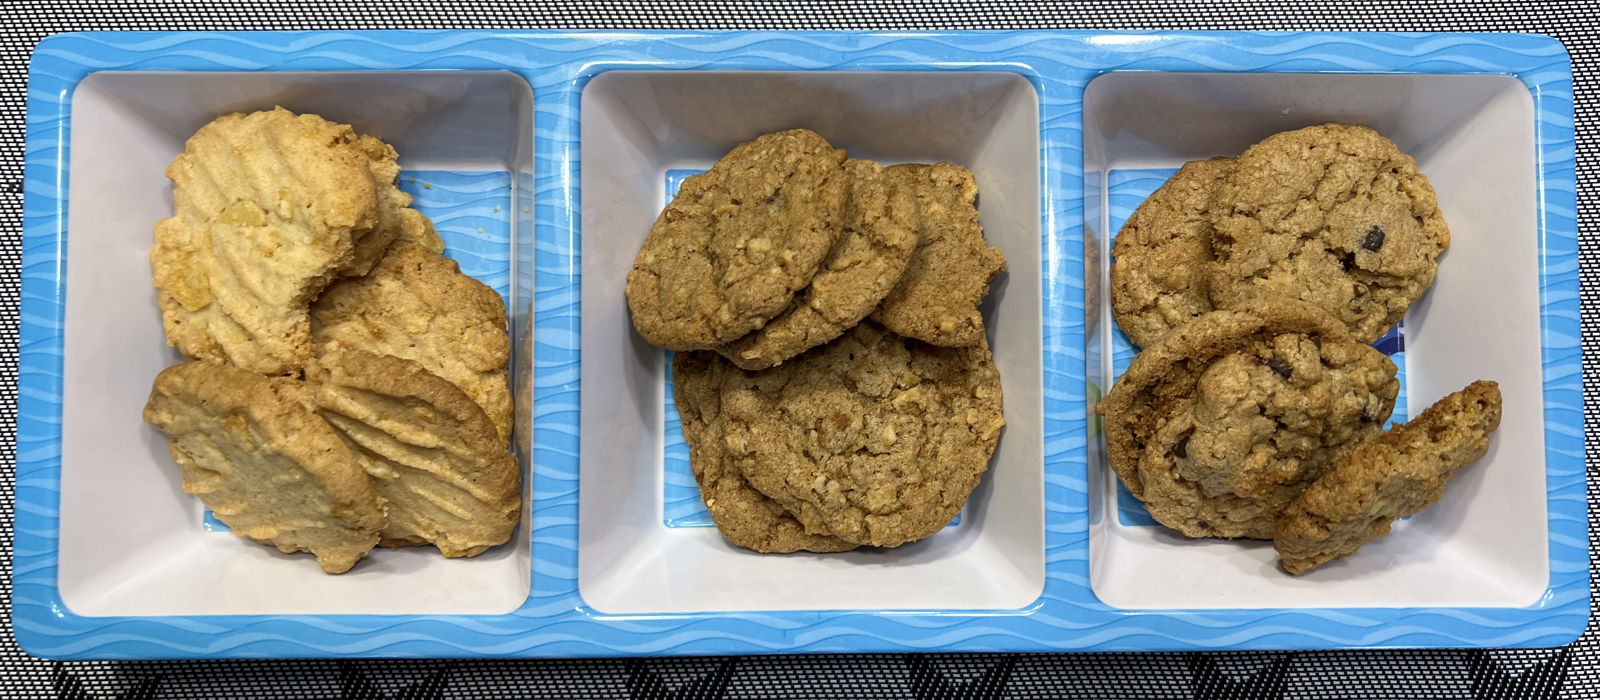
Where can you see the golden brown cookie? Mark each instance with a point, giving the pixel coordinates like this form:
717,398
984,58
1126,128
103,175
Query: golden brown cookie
880,437
1225,420
432,452
743,515
254,452
1391,477
880,232
418,305
1334,215
937,298
738,241
269,207
1158,278
1263,422
384,164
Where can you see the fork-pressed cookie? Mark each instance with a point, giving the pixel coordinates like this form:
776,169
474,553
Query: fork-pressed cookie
268,209
253,450
432,453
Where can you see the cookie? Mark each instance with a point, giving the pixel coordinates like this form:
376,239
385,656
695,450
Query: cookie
254,452
738,241
383,162
880,437
1225,420
1334,215
417,305
743,515
1391,477
433,454
937,299
1161,255
269,208
880,232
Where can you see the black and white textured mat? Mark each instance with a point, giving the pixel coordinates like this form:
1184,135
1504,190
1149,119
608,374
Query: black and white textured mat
1572,672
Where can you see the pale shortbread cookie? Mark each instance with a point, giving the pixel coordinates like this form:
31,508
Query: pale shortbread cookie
252,449
384,164
432,452
269,208
418,305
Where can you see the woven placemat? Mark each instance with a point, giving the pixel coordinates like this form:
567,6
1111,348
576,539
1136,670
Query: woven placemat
1571,672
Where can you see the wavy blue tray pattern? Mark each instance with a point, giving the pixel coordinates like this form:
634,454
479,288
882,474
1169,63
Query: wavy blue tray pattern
555,621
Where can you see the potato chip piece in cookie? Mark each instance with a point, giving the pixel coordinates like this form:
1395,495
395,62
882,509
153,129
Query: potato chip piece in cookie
252,449
435,456
269,208
418,305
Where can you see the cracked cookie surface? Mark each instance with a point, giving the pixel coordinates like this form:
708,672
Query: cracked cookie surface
432,453
418,305
1334,215
875,438
738,241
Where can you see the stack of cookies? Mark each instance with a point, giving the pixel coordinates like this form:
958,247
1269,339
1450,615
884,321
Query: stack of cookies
1254,286
347,384
833,372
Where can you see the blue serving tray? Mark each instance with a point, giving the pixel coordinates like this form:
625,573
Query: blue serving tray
555,620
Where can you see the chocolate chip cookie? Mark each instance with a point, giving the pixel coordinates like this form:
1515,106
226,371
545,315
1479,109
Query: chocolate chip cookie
936,300
880,437
738,241
1334,215
1391,477
743,515
880,233
1225,420
1159,275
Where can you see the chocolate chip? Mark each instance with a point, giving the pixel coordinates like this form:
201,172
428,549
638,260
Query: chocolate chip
1282,368
1317,341
1182,448
1374,239
1348,262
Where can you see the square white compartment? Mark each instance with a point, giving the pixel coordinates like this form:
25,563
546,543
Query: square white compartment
1485,543
131,542
638,125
